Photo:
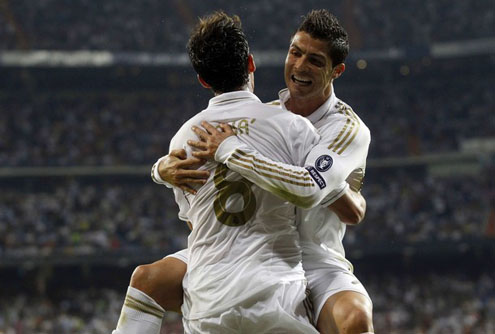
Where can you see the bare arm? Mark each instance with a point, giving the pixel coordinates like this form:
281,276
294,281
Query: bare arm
350,208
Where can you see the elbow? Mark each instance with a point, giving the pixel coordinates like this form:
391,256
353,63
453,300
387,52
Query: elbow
359,214
354,216
351,218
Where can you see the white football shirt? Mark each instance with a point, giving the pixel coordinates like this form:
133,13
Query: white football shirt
244,239
341,154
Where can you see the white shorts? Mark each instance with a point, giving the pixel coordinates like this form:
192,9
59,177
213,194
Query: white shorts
284,310
180,255
330,279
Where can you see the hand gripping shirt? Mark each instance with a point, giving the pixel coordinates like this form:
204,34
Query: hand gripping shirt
339,156
244,239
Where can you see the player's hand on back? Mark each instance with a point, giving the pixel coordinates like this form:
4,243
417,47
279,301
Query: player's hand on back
181,172
210,139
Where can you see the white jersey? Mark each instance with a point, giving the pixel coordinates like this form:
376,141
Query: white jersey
244,239
339,156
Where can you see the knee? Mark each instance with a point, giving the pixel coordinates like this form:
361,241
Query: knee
358,321
143,278
162,281
355,319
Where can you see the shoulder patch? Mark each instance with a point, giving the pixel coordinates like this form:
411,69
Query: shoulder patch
324,163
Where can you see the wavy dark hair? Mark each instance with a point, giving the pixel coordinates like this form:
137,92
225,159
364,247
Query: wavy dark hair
321,24
219,52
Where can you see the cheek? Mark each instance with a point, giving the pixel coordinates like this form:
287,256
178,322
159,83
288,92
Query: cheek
324,76
327,76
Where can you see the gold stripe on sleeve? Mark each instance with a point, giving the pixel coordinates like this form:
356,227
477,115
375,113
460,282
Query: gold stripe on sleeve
272,176
269,164
340,134
268,169
153,173
353,115
352,138
142,307
151,308
348,133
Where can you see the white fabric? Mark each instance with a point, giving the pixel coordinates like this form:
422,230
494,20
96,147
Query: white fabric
180,255
229,264
140,314
320,229
307,190
345,138
328,280
279,309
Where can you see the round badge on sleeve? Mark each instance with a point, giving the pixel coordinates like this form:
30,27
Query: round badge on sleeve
323,163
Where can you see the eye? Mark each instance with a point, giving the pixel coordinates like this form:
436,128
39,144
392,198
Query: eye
295,52
317,62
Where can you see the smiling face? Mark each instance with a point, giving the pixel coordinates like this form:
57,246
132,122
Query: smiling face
308,69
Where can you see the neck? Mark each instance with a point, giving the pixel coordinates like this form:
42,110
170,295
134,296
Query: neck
305,106
245,87
302,107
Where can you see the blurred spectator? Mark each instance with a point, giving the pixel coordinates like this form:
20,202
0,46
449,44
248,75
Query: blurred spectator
76,218
424,113
151,25
406,304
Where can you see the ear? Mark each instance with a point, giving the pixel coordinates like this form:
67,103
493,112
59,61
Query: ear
338,70
251,64
202,82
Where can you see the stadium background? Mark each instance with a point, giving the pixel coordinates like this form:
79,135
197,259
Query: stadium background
92,91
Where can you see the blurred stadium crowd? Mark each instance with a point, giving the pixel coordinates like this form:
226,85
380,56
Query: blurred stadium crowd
414,107
421,114
140,25
454,304
76,218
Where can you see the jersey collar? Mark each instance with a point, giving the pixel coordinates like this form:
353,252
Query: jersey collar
318,114
233,97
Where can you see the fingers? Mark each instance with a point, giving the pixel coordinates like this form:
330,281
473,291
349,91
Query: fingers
227,129
192,174
179,153
194,181
197,144
209,128
191,163
188,189
203,154
203,135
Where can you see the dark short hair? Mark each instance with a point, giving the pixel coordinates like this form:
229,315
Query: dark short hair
219,52
321,24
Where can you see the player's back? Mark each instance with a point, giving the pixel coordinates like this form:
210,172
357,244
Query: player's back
244,239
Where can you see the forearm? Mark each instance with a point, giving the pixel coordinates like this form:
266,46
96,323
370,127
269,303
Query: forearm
303,186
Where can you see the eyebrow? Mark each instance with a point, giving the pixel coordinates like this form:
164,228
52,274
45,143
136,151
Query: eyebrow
316,55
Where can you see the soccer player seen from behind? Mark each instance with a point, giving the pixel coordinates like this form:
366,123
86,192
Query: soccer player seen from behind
315,59
244,271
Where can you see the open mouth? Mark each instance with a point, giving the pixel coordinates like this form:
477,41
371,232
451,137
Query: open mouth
300,81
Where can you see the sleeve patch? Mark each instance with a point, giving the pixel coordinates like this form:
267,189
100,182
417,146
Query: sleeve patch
320,181
324,163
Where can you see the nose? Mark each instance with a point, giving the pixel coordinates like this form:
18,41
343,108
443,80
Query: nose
300,63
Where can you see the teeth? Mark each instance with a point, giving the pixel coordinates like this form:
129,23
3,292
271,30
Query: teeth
301,80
